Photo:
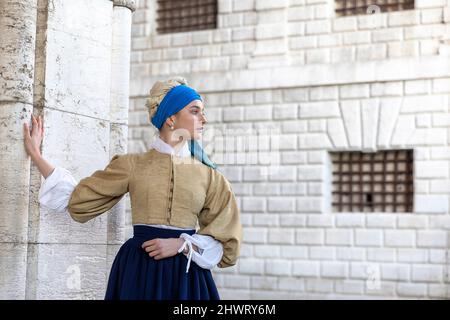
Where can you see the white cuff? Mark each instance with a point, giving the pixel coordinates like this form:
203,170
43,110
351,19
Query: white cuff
56,190
210,250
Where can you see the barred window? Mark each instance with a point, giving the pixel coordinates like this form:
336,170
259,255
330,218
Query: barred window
182,15
357,7
373,182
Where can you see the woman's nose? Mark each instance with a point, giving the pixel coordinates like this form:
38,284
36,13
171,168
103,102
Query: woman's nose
204,120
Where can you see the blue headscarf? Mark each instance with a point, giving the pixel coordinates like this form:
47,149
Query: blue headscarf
176,99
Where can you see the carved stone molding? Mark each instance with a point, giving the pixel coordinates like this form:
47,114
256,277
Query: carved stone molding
130,4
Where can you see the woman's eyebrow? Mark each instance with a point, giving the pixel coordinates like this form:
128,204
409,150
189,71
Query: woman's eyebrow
196,107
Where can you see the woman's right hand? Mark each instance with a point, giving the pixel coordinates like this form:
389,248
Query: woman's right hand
33,141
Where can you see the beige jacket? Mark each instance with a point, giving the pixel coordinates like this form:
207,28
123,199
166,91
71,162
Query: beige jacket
164,189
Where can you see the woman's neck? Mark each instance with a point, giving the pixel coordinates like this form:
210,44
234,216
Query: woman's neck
175,144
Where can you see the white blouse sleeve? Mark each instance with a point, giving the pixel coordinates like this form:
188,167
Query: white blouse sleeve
210,254
56,189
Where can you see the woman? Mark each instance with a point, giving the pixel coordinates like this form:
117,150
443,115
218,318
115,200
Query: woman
173,187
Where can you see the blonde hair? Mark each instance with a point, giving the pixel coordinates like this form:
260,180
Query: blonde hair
159,91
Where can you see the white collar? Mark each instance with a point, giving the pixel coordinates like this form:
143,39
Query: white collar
161,146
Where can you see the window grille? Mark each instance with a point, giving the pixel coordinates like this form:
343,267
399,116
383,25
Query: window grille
358,7
182,15
373,182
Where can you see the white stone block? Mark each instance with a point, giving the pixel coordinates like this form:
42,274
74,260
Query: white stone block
416,290
294,252
264,282
380,221
372,21
295,95
404,18
237,281
356,37
305,268
371,52
396,272
423,103
239,5
318,56
369,238
438,256
432,239
403,130
278,267
412,222
270,4
351,114
354,91
255,235
314,141
301,13
441,85
310,204
431,204
337,133
345,24
318,27
381,254
428,136
386,89
334,269
281,204
403,49
321,253
293,189
343,54
270,31
310,236
363,270
13,265
427,273
319,109
282,236
387,35
349,220
319,285
421,4
412,255
432,16
399,238
369,113
351,254
339,237
285,111
263,112
350,287
266,251
254,204
291,284
440,186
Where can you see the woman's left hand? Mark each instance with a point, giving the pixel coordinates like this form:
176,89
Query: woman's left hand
162,248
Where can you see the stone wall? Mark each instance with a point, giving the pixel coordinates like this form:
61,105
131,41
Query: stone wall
321,83
69,62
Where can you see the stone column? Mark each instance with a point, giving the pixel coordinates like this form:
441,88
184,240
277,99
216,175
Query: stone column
120,84
17,46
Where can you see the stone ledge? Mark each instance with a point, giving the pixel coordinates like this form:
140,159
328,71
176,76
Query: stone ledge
130,4
309,75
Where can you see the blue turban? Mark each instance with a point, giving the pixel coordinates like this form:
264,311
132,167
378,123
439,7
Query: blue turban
176,99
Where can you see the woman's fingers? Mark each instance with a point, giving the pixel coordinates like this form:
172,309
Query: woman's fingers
26,131
154,253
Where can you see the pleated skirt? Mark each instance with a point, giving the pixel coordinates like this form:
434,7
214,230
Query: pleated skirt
137,276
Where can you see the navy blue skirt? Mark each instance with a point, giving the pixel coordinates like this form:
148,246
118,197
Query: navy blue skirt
137,276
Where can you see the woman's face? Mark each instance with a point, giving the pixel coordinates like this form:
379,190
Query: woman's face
192,119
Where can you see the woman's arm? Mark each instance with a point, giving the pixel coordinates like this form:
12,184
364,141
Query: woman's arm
33,144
